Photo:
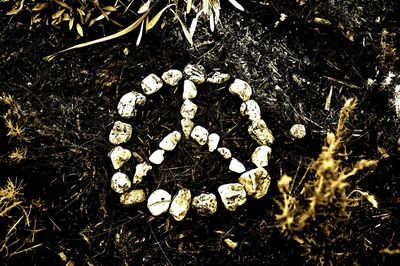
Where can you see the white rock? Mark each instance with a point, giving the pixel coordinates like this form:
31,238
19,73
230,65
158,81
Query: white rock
119,156
158,202
133,197
129,102
188,109
141,171
189,90
241,88
298,131
205,204
218,78
151,84
157,157
170,141
120,133
261,155
180,204
195,73
225,152
120,182
251,109
232,195
187,127
213,140
259,131
236,166
172,77
256,182
200,135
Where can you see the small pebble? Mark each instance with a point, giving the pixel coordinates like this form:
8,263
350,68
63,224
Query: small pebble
241,88
200,135
188,109
120,182
218,78
213,140
158,202
261,156
187,127
151,84
133,197
189,90
195,73
170,141
298,131
225,152
232,195
259,131
141,171
129,102
236,166
119,156
180,204
251,109
256,182
172,77
120,133
157,157
205,204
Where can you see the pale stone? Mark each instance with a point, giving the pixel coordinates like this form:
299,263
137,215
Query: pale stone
236,166
129,102
141,171
157,157
189,90
120,133
120,182
133,197
259,131
187,127
225,152
119,156
205,204
200,135
212,142
158,202
251,109
172,77
188,109
170,141
195,73
151,84
256,182
261,156
218,78
232,195
180,204
298,131
241,88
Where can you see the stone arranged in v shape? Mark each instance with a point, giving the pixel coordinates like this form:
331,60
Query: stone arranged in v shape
253,182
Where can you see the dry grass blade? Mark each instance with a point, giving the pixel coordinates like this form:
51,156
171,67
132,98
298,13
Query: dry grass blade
184,28
188,6
104,39
236,4
155,19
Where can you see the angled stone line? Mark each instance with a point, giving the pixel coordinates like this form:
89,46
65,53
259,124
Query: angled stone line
254,182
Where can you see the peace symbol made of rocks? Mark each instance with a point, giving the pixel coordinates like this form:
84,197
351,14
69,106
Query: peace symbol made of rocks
254,182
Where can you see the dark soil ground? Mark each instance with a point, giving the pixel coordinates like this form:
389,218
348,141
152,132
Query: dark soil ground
70,106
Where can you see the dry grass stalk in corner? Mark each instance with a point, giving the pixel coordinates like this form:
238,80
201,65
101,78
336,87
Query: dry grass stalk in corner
313,217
